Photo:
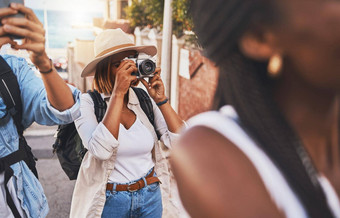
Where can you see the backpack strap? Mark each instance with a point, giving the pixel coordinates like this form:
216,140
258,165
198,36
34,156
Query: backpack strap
10,93
99,104
146,105
143,98
12,101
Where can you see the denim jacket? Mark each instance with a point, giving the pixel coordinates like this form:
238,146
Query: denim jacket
36,108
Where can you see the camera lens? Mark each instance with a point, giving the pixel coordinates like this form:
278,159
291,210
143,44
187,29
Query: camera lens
147,67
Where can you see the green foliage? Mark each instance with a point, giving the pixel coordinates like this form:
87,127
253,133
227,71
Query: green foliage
181,18
154,11
136,15
144,13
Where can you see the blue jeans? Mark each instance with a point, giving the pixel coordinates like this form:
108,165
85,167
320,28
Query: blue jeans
146,202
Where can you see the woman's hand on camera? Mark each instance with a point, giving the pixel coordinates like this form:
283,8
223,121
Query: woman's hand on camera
4,38
123,77
155,86
32,30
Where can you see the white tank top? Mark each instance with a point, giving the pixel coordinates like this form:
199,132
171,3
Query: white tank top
225,122
134,157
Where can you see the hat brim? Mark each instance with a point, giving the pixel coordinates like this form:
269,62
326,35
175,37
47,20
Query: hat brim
89,69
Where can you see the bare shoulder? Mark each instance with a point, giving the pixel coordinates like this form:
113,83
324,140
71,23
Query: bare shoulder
216,179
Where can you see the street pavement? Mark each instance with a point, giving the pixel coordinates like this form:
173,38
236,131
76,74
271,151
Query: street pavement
58,188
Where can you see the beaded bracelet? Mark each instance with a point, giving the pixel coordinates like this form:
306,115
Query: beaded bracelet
50,70
162,102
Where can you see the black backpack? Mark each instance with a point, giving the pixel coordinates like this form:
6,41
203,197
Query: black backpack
68,145
10,93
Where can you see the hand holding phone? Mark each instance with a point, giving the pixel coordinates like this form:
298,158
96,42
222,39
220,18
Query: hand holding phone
32,30
6,4
4,38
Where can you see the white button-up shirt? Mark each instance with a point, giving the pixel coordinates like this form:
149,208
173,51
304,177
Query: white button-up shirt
89,193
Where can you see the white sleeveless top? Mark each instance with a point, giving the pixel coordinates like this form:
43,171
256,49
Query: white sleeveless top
134,157
225,122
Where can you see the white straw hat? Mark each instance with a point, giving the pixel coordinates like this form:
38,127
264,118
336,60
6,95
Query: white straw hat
110,42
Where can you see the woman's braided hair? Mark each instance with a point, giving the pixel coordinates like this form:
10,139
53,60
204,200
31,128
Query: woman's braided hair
244,84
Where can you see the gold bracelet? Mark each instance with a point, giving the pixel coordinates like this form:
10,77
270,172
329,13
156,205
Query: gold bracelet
49,71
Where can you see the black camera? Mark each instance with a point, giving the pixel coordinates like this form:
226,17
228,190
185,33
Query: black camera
145,67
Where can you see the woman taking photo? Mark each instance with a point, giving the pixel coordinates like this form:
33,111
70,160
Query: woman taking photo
273,151
118,175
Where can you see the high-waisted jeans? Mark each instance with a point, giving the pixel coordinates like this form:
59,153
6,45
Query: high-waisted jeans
145,202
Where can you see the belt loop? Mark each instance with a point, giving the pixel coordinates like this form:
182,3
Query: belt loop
145,184
114,187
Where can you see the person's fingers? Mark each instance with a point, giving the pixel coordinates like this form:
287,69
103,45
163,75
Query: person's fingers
12,42
156,83
36,47
127,68
130,70
131,66
4,12
132,78
154,78
37,37
27,11
126,64
2,31
23,22
5,40
121,65
158,71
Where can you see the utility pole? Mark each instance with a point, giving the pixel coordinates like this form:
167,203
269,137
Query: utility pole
46,25
107,10
166,46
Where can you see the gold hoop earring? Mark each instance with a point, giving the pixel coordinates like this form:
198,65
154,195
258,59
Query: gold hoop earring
275,65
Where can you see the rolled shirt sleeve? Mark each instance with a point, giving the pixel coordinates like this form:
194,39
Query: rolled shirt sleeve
95,136
167,137
70,114
35,104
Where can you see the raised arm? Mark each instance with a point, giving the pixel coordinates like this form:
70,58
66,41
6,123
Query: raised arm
123,79
156,90
58,93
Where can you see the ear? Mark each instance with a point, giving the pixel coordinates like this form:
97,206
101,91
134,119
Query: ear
258,46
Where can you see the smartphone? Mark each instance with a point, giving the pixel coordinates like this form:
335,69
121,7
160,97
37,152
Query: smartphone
5,4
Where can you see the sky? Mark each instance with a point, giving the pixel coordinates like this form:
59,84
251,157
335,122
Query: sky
67,5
